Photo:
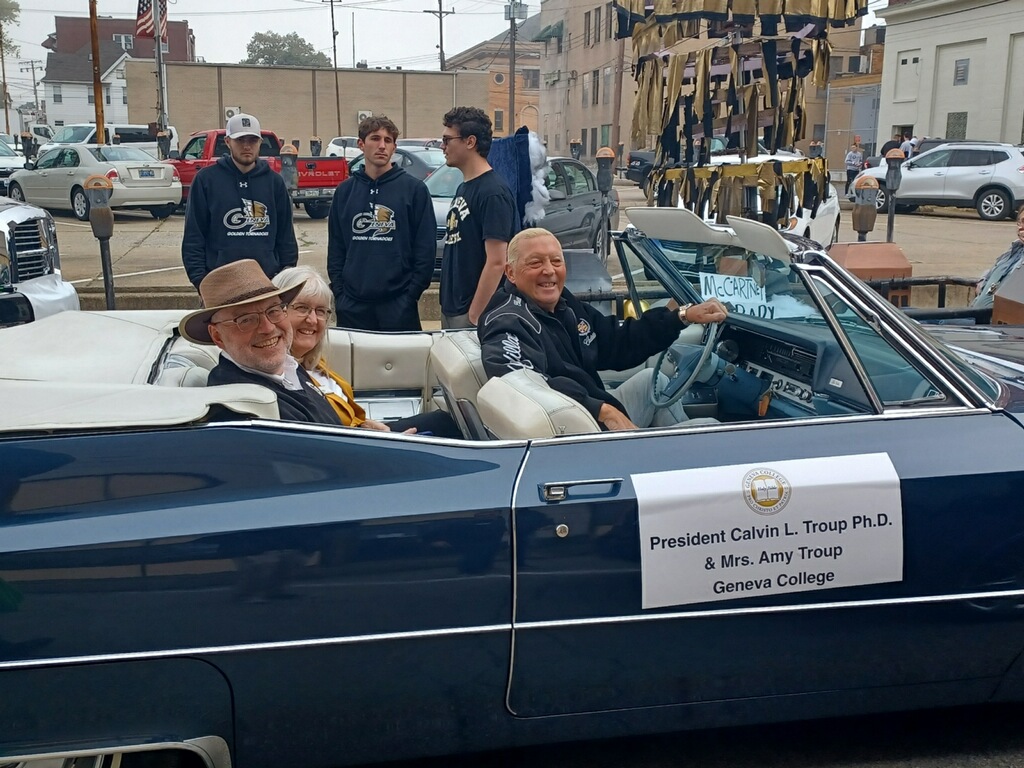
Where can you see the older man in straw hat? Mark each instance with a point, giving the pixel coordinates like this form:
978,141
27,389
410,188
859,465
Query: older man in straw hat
246,315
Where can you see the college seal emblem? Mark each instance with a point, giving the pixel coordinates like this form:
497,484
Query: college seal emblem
766,491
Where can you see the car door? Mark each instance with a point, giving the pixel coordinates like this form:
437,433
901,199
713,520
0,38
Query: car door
676,567
968,171
924,178
584,202
33,182
557,213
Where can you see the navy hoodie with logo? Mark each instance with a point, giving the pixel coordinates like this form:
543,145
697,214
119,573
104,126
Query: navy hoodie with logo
382,237
233,215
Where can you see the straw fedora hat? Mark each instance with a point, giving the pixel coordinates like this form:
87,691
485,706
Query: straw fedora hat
232,285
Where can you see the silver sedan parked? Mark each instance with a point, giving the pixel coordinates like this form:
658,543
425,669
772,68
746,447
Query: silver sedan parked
57,179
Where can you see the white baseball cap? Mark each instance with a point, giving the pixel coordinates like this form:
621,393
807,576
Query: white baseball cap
243,125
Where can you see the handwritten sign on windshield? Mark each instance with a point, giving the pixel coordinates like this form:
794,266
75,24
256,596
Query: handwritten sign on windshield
743,294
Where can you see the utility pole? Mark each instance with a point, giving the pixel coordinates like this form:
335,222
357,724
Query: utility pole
3,71
617,100
334,48
30,66
97,86
440,13
514,11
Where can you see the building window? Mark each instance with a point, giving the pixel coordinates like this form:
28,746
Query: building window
956,126
106,94
593,140
164,47
583,142
558,43
499,78
595,76
607,83
586,89
855,64
960,71
531,78
586,29
610,15
818,132
125,41
499,120
835,65
57,97
606,135
124,95
597,25
90,94
558,141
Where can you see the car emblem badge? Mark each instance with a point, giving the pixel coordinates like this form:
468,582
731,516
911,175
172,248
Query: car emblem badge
766,491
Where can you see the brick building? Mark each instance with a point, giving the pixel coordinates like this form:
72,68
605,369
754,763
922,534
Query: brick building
72,34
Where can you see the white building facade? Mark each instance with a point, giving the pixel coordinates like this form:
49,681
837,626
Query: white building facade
954,69
69,91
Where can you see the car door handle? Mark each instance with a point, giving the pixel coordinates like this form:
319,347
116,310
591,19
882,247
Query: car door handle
560,491
984,173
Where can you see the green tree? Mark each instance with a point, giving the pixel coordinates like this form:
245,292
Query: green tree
9,11
270,49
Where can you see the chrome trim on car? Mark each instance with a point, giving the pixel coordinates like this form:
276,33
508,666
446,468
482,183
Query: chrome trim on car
97,658
715,614
515,579
212,750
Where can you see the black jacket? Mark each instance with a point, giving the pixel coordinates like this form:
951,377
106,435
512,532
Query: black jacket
570,345
233,215
306,404
382,237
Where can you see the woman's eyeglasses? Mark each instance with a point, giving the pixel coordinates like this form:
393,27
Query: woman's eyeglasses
303,310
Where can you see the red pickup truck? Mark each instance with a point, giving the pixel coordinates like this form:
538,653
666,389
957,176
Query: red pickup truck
318,177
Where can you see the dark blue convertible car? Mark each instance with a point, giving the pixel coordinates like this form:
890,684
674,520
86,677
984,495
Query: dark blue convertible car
186,580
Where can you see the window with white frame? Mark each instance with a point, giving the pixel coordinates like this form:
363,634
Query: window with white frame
58,98
125,41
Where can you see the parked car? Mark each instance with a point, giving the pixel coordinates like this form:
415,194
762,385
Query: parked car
57,179
418,162
289,588
10,161
986,176
433,143
641,161
877,161
573,215
139,136
318,177
344,146
31,286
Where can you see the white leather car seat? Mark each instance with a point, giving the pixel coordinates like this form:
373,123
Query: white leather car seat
455,359
521,405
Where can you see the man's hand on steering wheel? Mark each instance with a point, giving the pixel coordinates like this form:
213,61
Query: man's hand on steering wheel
710,311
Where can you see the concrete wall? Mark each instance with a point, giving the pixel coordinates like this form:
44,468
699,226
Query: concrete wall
924,41
297,103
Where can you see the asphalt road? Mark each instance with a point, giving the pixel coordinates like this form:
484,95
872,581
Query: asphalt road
145,251
978,737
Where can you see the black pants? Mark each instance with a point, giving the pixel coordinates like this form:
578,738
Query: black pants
851,174
437,423
399,313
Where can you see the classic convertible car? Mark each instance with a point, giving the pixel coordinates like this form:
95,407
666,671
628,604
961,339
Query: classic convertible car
186,580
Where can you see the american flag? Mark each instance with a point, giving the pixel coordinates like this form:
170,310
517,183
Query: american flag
144,20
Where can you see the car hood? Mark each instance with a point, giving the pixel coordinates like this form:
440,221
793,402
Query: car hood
13,163
1002,342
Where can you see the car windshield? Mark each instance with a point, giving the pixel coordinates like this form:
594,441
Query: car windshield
74,134
6,151
113,154
444,181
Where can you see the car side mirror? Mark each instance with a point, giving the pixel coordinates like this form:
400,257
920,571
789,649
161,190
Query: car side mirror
910,165
30,165
174,155
556,194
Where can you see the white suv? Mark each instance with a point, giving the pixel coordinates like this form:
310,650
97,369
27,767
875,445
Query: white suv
986,176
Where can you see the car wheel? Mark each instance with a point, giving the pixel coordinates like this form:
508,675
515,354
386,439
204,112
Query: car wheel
162,211
15,192
882,200
993,204
80,204
317,210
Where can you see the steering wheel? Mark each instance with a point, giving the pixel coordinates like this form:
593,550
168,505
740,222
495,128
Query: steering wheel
679,383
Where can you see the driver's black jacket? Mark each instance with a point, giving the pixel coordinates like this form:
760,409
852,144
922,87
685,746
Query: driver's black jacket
570,345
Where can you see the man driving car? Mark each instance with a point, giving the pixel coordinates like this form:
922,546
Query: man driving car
533,322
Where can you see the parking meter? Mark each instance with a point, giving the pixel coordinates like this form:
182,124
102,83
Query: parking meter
289,167
315,146
28,145
893,177
297,143
163,144
865,192
605,176
115,139
101,218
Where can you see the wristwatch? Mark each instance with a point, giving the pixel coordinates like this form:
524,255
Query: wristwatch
682,314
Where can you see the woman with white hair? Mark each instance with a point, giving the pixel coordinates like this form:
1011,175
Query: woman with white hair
310,313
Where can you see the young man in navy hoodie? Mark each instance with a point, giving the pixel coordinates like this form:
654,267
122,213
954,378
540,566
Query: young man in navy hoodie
381,238
238,208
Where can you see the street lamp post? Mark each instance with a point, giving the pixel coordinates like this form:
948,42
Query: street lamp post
514,11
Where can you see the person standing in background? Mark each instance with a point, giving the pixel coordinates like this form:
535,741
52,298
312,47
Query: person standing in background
854,165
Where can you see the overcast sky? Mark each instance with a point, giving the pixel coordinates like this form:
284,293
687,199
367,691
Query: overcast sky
388,32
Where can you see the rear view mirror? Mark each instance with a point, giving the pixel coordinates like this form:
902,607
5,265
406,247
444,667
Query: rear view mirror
30,165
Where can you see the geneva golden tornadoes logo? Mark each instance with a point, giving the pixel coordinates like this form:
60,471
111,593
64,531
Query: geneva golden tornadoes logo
381,221
252,214
766,491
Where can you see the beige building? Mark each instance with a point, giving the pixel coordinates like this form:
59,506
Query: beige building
492,58
297,103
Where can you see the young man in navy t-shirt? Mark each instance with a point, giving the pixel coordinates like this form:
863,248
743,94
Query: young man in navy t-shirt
480,223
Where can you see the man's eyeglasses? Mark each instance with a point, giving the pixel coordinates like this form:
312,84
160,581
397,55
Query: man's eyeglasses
446,139
303,310
250,321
